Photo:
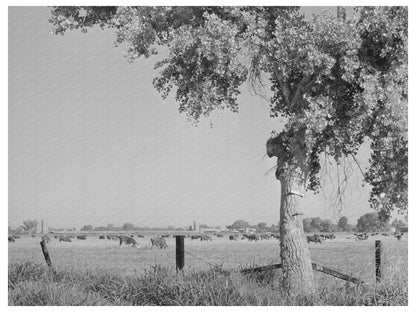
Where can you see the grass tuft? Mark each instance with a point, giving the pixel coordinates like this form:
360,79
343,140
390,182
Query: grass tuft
31,284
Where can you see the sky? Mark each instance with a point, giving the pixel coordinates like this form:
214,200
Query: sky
90,141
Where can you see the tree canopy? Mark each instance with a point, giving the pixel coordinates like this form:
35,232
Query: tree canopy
30,225
371,222
337,81
343,224
87,228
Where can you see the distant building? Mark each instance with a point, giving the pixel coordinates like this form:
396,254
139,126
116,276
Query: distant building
210,230
246,230
42,227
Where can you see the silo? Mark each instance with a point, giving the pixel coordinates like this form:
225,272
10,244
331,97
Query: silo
196,227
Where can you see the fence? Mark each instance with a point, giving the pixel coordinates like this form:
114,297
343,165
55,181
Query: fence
348,260
180,263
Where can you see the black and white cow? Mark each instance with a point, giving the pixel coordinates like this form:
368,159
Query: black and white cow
158,242
252,237
234,237
314,238
206,237
64,239
46,238
361,236
128,241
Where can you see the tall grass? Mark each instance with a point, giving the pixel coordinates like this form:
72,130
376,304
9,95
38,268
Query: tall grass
33,284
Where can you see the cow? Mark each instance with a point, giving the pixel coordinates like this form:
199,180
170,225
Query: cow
46,238
264,236
252,237
16,236
206,238
195,237
128,241
140,236
64,239
361,236
330,236
101,237
11,239
165,236
83,237
275,235
158,242
398,236
314,238
234,237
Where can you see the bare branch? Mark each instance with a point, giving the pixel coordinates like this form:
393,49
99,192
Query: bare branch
358,164
270,170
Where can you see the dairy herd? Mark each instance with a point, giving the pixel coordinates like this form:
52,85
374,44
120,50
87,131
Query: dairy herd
160,240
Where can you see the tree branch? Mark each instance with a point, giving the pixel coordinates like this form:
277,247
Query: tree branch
304,85
358,164
287,93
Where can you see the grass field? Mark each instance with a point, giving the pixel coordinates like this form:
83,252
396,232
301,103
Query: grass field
105,259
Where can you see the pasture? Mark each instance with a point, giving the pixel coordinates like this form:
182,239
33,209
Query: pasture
100,257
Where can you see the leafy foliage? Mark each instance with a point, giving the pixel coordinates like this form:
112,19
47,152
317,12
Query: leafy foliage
343,224
398,225
87,228
30,225
338,82
371,222
128,226
240,224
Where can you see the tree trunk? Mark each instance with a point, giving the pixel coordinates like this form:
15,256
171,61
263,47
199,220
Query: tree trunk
296,260
294,253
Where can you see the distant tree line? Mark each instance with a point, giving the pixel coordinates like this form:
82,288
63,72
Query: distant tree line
369,222
260,227
129,227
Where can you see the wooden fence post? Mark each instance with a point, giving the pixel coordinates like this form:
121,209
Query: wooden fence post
180,252
45,252
378,260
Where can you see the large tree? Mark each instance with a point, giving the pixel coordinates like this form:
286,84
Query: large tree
128,226
87,228
30,225
371,222
338,81
240,224
342,223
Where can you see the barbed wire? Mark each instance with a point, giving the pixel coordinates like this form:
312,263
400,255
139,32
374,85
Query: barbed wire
213,265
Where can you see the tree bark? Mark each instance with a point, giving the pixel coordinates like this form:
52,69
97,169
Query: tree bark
296,260
294,253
